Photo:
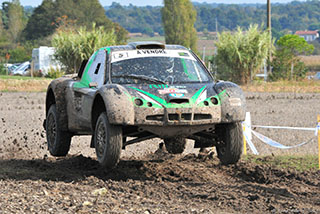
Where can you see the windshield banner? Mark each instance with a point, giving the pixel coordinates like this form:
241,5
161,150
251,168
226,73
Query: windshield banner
132,54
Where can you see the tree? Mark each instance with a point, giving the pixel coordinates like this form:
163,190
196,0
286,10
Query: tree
240,55
43,21
15,16
178,19
73,46
287,64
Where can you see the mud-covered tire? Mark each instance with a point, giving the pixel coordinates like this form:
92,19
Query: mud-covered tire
232,136
108,142
175,145
58,140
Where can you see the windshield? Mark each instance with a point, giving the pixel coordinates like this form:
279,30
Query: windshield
173,66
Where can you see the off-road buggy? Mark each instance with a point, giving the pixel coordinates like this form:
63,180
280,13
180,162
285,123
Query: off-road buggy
127,94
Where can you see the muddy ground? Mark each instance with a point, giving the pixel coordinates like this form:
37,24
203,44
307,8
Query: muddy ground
148,179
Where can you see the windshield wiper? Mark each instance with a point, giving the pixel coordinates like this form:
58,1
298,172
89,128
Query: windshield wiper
141,77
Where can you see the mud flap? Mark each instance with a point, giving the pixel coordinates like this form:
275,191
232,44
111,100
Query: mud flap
92,142
44,124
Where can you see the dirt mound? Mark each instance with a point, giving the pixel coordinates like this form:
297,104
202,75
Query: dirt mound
173,184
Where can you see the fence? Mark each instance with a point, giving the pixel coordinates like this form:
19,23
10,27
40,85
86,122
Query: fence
248,132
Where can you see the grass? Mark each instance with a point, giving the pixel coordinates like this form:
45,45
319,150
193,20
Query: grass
22,83
22,77
299,163
304,86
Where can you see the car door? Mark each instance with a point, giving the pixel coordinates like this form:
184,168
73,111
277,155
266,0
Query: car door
93,77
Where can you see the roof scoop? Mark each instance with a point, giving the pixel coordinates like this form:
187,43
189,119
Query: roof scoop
147,45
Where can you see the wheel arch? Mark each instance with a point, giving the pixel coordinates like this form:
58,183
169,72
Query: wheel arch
233,103
57,94
50,99
98,107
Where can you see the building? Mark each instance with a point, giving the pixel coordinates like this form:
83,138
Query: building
308,35
43,60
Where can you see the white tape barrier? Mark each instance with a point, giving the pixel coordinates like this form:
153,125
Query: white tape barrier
273,143
284,127
251,145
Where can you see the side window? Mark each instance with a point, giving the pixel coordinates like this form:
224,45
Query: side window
96,71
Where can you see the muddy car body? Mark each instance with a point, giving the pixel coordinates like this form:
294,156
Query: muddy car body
127,94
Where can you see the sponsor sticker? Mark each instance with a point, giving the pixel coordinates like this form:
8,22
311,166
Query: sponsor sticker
173,91
133,54
235,101
176,95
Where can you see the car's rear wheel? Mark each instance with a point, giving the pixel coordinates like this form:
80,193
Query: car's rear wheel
108,142
58,140
230,150
175,145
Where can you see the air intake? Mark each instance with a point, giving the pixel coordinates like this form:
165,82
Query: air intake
147,45
179,101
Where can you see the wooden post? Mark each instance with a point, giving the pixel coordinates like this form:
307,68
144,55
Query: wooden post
270,33
244,141
318,139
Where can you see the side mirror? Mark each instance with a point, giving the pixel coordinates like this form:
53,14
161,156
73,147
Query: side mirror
93,84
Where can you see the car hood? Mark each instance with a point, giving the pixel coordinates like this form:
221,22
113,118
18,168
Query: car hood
172,96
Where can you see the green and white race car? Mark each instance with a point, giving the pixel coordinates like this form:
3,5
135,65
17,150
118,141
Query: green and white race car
131,93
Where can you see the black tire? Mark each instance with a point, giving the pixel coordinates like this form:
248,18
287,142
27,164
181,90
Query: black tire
175,145
108,142
58,140
229,152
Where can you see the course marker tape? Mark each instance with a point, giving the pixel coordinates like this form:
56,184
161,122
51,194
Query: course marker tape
273,143
251,145
284,127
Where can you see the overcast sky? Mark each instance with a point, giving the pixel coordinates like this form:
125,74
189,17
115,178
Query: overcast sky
156,2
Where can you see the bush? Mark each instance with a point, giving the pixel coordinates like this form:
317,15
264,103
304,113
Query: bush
3,70
19,54
74,46
241,54
54,73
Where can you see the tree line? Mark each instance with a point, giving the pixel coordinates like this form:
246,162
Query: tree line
22,29
285,17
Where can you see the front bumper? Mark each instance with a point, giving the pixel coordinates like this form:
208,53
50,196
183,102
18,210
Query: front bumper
177,116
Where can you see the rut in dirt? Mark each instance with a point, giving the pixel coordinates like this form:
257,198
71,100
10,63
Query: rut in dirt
174,179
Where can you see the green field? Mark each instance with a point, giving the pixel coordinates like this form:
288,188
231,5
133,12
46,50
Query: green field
296,162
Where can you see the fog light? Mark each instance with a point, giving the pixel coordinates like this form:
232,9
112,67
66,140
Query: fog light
138,102
206,103
214,101
149,104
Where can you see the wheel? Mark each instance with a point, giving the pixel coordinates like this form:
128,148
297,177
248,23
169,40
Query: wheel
175,145
58,140
231,149
108,142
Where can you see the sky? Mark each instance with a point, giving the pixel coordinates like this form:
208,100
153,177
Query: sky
35,3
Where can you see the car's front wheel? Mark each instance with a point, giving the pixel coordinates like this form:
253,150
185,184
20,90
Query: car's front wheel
108,142
230,150
58,140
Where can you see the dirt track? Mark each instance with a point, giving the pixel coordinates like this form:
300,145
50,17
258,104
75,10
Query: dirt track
148,180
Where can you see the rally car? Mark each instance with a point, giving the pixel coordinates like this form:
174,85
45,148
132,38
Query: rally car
127,94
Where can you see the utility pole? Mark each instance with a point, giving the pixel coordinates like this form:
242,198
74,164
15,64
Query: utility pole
216,29
270,32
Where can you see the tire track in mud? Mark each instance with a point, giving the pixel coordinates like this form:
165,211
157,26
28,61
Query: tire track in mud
174,184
